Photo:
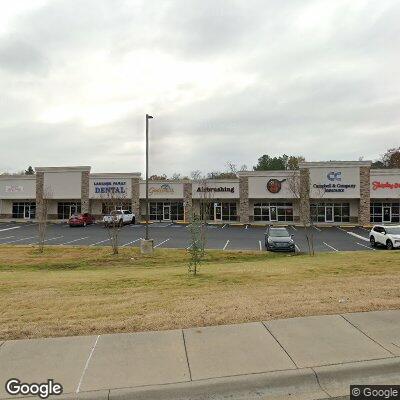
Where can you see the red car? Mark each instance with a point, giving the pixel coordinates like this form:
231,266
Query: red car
81,219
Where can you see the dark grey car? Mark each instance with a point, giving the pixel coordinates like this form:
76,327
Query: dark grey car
279,239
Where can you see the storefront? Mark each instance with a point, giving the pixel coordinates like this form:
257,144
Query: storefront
165,201
347,192
216,200
385,196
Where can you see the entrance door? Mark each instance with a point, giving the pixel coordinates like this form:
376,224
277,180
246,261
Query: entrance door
329,214
166,212
27,211
387,214
73,209
217,212
273,213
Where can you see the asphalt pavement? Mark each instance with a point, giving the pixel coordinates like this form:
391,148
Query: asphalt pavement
170,235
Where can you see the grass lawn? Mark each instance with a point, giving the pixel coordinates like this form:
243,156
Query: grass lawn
77,291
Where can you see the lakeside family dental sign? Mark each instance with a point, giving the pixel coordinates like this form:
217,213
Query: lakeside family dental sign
335,182
102,188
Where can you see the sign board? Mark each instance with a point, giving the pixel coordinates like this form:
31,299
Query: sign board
334,182
385,186
273,185
215,190
106,188
162,190
14,189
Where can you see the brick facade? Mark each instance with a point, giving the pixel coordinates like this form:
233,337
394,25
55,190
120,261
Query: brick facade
304,205
244,208
187,200
135,191
365,196
39,194
85,192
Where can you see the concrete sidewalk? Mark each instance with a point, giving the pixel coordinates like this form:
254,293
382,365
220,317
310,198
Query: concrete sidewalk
304,358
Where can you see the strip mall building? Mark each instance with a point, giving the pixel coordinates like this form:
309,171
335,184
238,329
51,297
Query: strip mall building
327,192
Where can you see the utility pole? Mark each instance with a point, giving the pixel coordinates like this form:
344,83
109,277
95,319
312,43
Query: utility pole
147,175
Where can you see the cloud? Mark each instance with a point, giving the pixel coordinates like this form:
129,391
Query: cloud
225,80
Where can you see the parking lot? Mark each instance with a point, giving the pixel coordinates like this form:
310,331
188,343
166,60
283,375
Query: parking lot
169,235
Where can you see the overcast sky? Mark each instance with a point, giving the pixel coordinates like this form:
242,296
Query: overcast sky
226,80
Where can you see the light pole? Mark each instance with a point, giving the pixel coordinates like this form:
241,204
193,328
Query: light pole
147,175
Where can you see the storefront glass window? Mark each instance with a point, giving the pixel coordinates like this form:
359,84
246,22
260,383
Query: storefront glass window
166,211
273,212
322,212
385,212
67,208
24,209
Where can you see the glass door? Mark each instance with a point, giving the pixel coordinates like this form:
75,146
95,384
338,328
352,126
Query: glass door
27,211
73,209
329,214
166,212
217,212
273,213
387,214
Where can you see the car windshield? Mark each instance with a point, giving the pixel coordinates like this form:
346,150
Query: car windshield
75,215
279,233
393,230
115,212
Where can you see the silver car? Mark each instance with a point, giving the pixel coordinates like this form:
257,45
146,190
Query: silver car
279,239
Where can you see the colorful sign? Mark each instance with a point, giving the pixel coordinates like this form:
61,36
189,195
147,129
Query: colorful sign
14,189
376,185
275,185
165,188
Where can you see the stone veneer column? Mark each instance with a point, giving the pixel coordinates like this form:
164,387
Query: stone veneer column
85,192
365,196
187,200
135,198
304,206
244,199
39,193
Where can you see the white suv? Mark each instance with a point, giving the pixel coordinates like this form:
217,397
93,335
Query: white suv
388,236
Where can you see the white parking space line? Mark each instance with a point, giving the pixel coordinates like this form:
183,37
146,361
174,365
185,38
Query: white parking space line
20,240
226,244
259,242
358,236
7,237
101,241
298,248
8,229
188,248
246,227
368,247
75,240
133,241
331,247
294,228
159,244
48,240
319,230
341,229
224,226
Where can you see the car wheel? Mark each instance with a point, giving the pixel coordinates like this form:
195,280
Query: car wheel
133,221
372,241
389,245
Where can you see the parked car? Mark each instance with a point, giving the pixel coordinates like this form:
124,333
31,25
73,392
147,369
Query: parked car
279,239
119,218
81,219
388,236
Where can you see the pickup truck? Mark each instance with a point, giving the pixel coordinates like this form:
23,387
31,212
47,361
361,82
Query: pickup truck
119,218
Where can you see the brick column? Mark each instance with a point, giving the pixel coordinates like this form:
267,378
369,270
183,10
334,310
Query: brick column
39,194
304,206
85,192
135,198
244,199
365,196
187,200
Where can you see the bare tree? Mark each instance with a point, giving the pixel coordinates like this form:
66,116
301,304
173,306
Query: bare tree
42,217
196,248
307,215
114,202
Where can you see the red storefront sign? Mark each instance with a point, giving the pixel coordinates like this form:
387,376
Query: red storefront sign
385,185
